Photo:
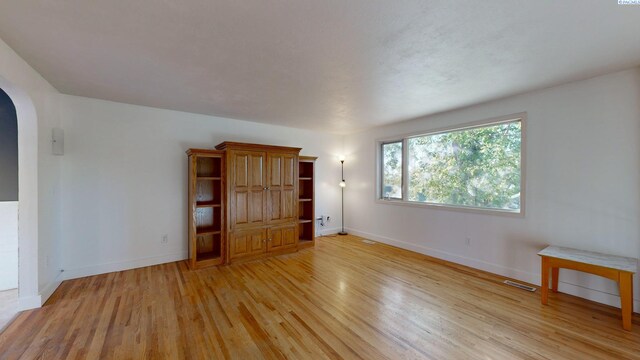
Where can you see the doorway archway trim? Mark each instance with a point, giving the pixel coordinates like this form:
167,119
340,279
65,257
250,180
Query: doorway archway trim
28,294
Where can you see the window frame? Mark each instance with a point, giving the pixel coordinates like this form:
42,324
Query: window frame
522,117
402,172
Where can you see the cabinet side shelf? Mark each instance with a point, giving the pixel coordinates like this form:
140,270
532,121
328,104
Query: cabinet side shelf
207,232
205,204
306,202
206,201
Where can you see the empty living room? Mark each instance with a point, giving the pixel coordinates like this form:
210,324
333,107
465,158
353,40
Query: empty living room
354,179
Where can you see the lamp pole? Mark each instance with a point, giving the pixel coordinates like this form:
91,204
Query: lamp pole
343,184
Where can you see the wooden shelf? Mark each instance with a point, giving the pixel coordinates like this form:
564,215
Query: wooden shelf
209,178
207,256
201,232
206,204
304,221
303,200
305,243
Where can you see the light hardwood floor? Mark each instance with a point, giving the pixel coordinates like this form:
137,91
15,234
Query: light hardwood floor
341,299
8,306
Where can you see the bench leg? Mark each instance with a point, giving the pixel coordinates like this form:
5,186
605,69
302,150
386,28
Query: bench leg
544,287
626,299
555,273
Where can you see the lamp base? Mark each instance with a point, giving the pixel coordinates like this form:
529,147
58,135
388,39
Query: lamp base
342,233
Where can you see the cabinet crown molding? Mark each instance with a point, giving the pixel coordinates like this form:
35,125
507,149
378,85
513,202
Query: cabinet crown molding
204,152
249,146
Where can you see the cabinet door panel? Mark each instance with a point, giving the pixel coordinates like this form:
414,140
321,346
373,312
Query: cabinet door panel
282,202
241,170
247,189
247,243
290,237
288,170
289,202
275,205
275,170
256,164
281,238
275,241
256,208
239,246
241,207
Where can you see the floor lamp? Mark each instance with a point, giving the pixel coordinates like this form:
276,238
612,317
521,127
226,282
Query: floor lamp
343,184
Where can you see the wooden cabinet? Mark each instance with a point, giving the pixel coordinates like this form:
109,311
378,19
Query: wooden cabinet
248,201
306,201
206,204
262,188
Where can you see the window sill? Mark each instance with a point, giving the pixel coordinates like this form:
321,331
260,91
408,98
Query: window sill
467,209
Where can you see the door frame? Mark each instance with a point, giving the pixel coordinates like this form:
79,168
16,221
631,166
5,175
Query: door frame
28,292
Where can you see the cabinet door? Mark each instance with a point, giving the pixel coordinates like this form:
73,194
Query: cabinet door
248,189
282,202
246,243
280,238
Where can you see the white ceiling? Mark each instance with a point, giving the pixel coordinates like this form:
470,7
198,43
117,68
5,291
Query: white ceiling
336,65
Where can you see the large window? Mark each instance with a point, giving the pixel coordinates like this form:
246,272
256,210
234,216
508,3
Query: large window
478,166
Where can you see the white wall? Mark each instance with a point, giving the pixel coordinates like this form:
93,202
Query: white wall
124,179
39,171
8,245
583,186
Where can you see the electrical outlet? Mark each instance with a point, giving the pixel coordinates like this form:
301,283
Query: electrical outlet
164,239
467,241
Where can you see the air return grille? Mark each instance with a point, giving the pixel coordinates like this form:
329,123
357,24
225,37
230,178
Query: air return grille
520,286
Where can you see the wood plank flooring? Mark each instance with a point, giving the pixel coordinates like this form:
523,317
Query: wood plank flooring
8,306
342,299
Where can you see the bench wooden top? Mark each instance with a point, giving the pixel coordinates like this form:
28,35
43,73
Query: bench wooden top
593,258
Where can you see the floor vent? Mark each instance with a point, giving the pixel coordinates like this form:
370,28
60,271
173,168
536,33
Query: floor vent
369,242
520,286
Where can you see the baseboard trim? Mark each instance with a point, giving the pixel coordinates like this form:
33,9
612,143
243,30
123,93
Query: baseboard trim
532,278
105,268
29,302
594,295
328,231
50,288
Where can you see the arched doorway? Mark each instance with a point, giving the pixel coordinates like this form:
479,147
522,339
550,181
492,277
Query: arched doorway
8,209
28,295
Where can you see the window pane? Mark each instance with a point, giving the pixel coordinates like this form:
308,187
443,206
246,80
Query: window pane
477,167
392,170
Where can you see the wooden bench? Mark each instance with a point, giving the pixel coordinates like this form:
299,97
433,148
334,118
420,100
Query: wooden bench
617,268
